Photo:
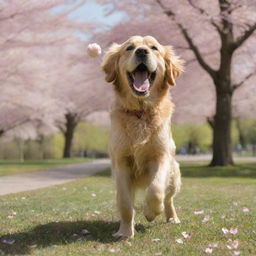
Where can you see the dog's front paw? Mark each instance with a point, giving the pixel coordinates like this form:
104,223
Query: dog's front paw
124,232
120,236
175,220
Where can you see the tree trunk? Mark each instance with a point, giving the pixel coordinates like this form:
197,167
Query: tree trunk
69,134
222,147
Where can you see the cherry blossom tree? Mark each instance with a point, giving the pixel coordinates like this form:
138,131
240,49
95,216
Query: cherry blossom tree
42,80
218,34
83,91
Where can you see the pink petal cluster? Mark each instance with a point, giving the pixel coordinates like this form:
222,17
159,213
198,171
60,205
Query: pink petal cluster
232,231
94,50
210,247
232,244
186,235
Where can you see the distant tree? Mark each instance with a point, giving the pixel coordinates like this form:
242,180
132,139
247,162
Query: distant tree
82,92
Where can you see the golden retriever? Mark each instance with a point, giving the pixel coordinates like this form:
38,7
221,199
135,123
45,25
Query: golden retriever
141,146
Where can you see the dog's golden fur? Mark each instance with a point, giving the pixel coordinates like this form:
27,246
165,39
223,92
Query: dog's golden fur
141,146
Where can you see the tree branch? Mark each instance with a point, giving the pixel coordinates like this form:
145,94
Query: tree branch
240,40
210,121
202,11
235,86
189,40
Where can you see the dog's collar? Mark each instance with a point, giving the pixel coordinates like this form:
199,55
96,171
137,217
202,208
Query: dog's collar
137,113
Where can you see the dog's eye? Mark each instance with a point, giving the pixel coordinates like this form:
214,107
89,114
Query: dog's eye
129,48
154,48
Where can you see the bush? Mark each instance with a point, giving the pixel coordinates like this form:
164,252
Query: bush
198,135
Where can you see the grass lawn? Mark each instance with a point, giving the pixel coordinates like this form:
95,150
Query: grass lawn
8,167
52,221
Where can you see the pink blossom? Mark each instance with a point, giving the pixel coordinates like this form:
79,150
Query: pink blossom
233,231
94,50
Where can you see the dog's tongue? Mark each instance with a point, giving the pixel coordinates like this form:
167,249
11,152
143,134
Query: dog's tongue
141,82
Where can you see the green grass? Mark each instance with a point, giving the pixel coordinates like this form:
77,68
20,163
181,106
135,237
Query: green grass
8,167
50,221
199,169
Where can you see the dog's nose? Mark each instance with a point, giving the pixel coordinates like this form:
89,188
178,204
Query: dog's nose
141,52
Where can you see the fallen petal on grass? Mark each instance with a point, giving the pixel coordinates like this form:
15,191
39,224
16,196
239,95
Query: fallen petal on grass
93,195
155,239
236,253
113,250
208,250
186,235
235,244
245,209
8,241
179,241
225,230
199,212
205,219
229,247
233,231
214,245
85,232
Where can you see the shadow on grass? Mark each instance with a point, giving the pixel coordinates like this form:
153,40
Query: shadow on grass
60,233
247,170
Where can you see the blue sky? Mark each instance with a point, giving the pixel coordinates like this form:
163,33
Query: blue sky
92,12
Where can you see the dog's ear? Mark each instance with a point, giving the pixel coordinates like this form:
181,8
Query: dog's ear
173,64
110,62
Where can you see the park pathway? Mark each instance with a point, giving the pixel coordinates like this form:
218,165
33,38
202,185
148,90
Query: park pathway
59,175
49,177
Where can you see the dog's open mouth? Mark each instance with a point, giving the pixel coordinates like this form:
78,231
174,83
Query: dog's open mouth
141,79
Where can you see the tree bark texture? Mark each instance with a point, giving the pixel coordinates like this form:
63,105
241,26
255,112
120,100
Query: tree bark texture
69,134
